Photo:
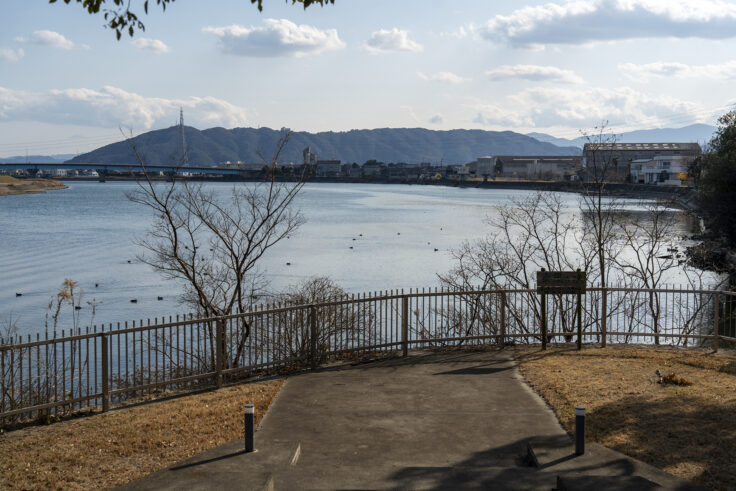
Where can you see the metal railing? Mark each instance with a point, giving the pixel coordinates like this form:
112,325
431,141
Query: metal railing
48,376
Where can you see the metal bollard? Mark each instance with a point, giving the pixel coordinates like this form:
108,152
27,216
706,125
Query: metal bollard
579,430
250,418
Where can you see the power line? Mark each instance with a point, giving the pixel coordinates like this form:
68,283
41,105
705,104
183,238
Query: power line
620,127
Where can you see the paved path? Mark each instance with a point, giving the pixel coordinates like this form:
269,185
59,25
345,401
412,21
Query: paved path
431,421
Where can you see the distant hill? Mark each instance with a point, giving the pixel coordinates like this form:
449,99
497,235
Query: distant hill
694,133
37,159
410,145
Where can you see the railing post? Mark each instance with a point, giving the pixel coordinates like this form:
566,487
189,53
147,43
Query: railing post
405,325
313,336
544,321
503,319
219,350
580,320
716,321
105,374
604,316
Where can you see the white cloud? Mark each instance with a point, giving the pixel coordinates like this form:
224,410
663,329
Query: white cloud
494,115
554,107
148,44
459,33
385,41
8,54
642,73
47,38
578,21
277,37
447,77
436,119
535,73
111,107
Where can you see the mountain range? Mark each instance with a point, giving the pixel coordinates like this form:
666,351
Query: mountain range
694,133
411,145
38,159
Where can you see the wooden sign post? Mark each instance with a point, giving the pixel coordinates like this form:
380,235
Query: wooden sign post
561,282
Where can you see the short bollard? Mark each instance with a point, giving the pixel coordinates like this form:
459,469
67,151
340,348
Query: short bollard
579,430
250,418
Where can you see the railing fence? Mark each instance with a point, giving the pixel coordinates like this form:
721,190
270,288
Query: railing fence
94,369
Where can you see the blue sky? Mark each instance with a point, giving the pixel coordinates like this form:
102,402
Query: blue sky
67,86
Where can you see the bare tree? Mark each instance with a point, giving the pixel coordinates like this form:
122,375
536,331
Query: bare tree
601,211
698,309
529,234
339,322
650,239
213,243
650,252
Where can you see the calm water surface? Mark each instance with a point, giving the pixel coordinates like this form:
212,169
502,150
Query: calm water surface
87,233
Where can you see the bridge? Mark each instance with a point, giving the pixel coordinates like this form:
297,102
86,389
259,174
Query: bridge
105,169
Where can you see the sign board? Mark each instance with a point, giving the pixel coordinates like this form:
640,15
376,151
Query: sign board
555,282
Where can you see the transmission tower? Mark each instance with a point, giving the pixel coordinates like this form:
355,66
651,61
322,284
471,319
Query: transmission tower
182,140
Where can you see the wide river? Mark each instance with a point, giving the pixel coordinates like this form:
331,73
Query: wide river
87,233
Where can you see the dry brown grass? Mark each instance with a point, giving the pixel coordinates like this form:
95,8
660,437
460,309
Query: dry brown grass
10,185
110,449
687,431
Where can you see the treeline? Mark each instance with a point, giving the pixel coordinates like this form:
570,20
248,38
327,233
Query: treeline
715,179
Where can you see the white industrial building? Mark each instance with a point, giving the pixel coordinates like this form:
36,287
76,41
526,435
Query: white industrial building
662,169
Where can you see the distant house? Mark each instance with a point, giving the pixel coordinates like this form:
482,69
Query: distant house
403,172
374,169
58,173
463,170
354,171
328,168
534,167
616,159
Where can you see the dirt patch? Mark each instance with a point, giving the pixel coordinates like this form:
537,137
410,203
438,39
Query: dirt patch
688,431
110,449
10,185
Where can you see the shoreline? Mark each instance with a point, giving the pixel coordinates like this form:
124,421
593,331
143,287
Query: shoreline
681,196
10,186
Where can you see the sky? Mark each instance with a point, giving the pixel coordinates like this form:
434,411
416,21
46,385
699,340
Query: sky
560,67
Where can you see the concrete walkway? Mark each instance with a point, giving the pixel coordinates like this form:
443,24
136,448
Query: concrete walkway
449,420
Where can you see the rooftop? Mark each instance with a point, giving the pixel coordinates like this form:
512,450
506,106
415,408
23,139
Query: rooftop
641,146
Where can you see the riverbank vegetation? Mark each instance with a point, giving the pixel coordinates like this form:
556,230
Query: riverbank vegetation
11,186
715,178
686,430
110,449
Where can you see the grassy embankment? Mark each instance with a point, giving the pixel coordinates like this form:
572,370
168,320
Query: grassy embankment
10,185
688,431
110,449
